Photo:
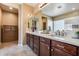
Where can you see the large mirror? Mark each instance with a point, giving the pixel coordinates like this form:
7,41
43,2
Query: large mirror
58,25
33,23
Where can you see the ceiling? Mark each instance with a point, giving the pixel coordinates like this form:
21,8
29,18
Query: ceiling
55,9
7,8
33,4
51,9
14,5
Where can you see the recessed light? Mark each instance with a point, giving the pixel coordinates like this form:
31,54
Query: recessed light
10,8
28,15
73,8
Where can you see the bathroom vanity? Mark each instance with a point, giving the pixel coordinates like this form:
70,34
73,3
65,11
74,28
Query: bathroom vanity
46,45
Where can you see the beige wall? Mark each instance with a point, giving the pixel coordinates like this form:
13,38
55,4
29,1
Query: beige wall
9,18
0,16
14,5
67,15
26,9
40,15
0,23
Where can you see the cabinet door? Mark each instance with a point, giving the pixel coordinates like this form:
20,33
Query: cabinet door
36,51
36,42
78,51
52,51
58,52
27,39
64,47
36,45
31,42
9,33
44,49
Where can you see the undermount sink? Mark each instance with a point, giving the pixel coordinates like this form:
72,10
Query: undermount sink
44,32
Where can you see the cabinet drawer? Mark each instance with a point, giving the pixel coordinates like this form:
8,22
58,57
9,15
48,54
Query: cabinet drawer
36,37
45,40
65,47
58,52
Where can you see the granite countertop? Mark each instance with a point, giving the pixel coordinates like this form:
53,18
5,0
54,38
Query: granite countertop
68,40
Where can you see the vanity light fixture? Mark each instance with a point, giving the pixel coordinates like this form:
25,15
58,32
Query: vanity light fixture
42,5
29,15
73,8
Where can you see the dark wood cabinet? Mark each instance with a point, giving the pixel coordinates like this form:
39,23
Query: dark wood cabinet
44,47
28,39
36,51
36,44
58,52
31,42
78,51
9,33
64,48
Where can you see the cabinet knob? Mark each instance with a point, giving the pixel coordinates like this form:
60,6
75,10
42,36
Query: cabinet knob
48,47
52,49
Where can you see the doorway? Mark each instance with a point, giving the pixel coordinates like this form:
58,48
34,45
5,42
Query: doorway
9,24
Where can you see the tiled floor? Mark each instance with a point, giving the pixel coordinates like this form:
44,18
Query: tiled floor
12,49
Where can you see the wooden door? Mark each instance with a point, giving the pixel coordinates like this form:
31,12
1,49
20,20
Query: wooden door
9,33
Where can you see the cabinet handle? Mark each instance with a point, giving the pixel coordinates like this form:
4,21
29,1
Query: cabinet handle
52,49
60,46
48,48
